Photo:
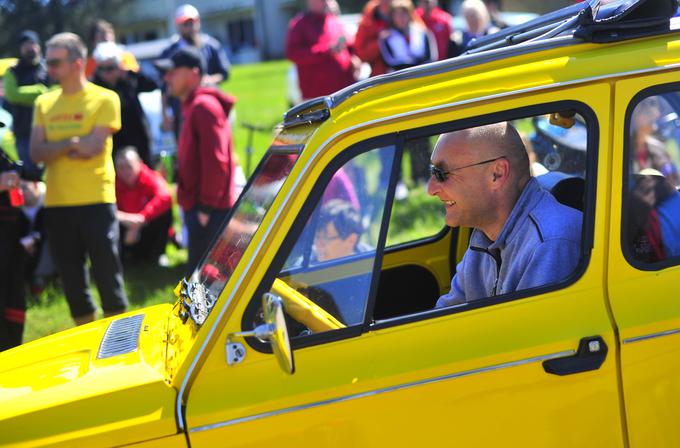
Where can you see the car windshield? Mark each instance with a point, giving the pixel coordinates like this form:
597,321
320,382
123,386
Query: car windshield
216,268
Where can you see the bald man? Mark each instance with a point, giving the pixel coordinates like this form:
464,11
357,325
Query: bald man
522,237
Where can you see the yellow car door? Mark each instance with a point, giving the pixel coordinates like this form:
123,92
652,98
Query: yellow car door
531,368
643,274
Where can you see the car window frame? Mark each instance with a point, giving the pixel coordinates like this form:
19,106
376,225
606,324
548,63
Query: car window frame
398,139
587,240
659,89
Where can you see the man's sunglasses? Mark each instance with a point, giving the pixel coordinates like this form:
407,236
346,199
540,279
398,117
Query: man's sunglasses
55,62
441,175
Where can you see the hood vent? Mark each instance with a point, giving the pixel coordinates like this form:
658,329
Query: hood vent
121,337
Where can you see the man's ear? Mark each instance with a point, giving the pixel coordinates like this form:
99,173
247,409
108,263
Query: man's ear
500,172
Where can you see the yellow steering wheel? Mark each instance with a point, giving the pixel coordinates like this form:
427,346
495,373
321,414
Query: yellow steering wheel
304,310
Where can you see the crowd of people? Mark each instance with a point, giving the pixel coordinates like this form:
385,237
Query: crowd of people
85,200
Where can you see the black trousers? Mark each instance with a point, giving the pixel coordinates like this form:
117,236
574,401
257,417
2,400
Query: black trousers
12,290
200,237
74,233
152,240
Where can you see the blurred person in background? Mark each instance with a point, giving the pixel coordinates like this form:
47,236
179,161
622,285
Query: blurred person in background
188,23
23,84
438,22
478,21
494,7
205,182
102,31
319,47
128,85
72,128
407,42
12,291
39,265
375,19
144,208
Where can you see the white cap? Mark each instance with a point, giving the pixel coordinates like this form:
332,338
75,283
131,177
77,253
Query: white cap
186,12
107,51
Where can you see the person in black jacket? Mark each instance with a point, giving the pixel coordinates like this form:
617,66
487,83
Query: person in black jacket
23,84
12,292
128,84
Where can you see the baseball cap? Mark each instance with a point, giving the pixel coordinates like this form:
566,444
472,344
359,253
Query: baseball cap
27,35
190,57
186,12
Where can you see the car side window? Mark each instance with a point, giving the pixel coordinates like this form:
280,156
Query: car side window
325,282
651,220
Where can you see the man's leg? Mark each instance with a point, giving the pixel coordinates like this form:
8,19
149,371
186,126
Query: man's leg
200,237
101,239
67,247
12,293
153,238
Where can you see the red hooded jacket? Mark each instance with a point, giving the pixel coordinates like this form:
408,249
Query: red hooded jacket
150,196
321,71
366,44
439,23
205,152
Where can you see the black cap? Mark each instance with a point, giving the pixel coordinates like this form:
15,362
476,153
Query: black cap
29,35
190,57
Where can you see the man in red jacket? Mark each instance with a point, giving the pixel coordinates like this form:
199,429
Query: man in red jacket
318,45
375,19
205,184
144,207
438,22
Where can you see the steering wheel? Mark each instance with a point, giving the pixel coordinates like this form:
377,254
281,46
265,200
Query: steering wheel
304,310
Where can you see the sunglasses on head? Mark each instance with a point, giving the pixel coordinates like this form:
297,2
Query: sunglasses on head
441,175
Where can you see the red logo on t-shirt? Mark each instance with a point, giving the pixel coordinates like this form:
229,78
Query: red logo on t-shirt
78,117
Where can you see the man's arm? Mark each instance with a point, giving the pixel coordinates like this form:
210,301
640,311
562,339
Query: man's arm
213,136
90,145
551,262
43,151
24,95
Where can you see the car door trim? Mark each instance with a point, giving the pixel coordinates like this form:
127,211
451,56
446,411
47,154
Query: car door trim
646,337
536,359
181,423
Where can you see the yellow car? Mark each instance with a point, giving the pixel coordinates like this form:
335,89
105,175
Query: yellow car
300,330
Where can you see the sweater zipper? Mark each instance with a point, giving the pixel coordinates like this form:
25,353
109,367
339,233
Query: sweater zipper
496,255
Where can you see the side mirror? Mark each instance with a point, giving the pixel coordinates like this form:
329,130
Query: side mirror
273,330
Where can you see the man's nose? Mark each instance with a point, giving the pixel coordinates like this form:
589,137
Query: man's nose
432,186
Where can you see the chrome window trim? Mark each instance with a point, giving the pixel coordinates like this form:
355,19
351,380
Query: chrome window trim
384,390
646,337
178,408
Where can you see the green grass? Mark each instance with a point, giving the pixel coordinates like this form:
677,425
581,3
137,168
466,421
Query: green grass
260,91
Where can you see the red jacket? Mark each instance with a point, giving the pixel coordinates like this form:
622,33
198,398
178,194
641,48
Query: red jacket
150,196
321,71
439,23
205,152
366,44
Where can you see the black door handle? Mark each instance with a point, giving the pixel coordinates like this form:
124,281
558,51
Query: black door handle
591,353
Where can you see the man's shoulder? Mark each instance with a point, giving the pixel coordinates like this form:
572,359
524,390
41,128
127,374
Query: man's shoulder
94,90
210,41
49,97
556,221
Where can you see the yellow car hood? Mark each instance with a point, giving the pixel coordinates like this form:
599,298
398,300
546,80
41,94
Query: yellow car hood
104,378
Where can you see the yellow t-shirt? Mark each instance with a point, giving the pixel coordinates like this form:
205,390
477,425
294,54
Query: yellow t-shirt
79,181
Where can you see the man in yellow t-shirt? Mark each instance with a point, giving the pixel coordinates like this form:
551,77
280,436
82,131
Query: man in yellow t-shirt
71,135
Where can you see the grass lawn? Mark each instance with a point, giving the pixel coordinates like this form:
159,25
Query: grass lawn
260,90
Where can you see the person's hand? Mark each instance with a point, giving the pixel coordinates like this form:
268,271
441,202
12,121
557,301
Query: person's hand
384,34
340,45
28,243
203,219
9,180
76,149
132,235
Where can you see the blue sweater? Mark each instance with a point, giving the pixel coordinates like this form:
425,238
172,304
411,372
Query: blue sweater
539,244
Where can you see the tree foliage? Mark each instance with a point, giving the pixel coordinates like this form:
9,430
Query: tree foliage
48,17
